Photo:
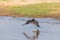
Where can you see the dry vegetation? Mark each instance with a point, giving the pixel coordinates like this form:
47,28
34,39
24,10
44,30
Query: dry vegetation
33,9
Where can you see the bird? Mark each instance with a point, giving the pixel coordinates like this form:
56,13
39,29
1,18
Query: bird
33,21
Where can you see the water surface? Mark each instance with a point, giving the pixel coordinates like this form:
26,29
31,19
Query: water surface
12,28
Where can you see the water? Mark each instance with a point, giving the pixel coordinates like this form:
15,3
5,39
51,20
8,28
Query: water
12,28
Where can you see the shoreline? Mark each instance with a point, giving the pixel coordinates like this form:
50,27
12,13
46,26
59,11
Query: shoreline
32,16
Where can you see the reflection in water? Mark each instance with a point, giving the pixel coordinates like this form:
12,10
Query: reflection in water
34,37
12,29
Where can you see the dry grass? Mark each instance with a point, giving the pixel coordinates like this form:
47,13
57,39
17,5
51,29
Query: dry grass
36,10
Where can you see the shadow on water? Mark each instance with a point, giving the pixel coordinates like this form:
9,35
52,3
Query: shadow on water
12,28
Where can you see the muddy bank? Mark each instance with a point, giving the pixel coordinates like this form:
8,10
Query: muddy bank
32,16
